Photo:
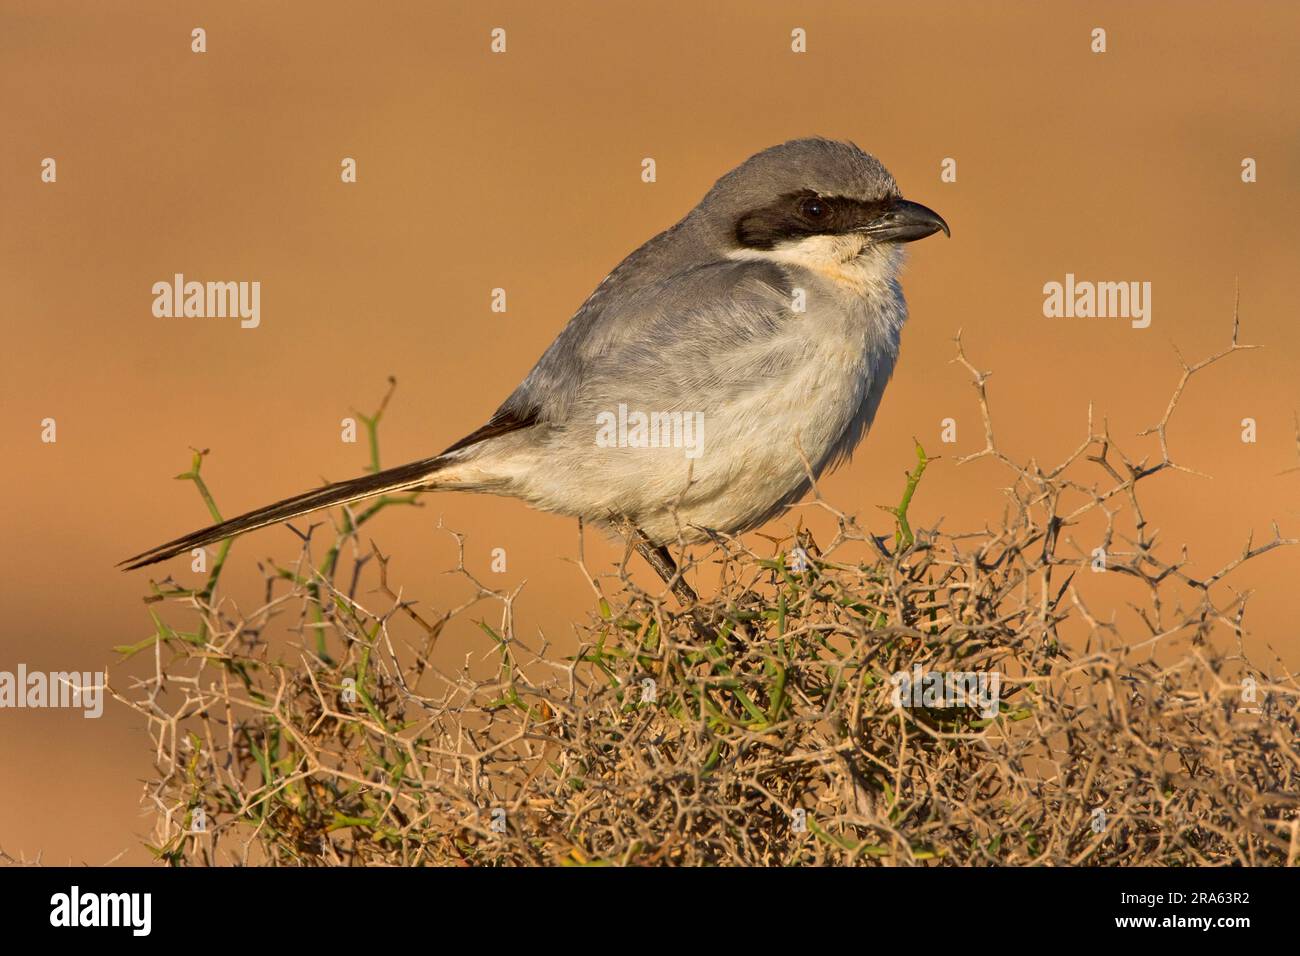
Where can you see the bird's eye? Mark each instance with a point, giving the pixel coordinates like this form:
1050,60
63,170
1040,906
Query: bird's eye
814,208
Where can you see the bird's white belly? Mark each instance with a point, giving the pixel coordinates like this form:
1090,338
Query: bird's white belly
764,446
757,448
756,451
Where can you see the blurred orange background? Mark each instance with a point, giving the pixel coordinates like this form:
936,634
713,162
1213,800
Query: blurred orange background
522,171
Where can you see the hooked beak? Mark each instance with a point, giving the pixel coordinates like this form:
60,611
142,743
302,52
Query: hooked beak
904,221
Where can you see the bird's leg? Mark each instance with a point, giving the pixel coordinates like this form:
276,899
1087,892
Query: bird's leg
664,565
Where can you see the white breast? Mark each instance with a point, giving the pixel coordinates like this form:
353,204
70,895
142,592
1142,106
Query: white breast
759,446
762,448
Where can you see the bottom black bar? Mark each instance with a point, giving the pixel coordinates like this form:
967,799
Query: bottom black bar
343,906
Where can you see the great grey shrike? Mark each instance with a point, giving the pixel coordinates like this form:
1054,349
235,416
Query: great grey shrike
706,377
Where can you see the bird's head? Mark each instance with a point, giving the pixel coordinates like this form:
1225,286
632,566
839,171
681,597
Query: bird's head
816,203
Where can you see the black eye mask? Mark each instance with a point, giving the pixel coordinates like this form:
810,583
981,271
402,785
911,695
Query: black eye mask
793,217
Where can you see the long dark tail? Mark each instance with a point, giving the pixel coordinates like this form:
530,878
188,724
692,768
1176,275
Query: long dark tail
401,478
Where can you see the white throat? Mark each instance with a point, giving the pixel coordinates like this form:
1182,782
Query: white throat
850,262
